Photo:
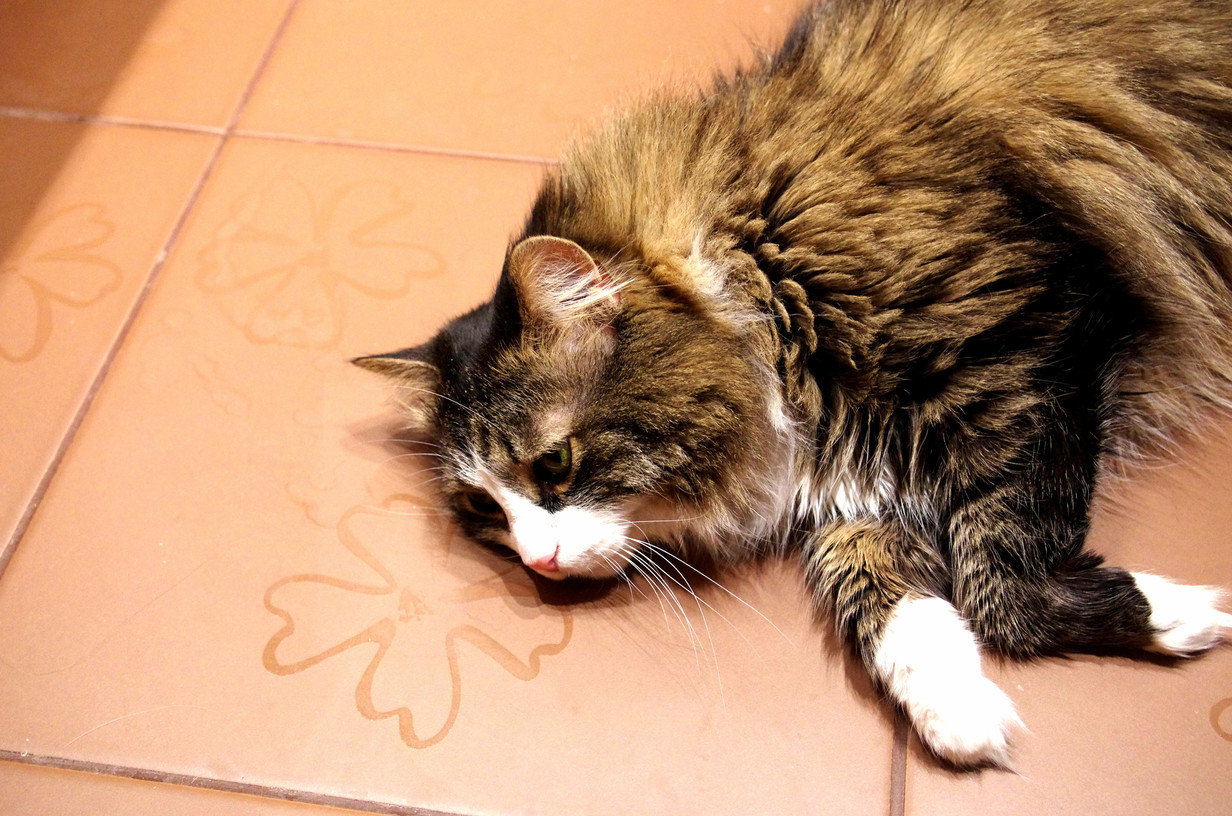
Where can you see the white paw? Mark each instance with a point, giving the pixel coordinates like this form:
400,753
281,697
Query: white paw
969,723
930,662
1186,619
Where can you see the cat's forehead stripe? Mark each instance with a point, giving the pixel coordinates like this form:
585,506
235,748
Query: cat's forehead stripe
554,425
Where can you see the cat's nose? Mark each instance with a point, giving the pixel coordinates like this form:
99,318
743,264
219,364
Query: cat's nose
544,563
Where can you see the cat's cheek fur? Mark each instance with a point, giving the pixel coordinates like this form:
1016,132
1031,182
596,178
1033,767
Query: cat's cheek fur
929,661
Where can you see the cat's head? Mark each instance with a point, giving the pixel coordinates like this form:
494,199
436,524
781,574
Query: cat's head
587,407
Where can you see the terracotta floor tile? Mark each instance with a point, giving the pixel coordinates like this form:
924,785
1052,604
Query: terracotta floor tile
1119,735
185,61
235,574
238,575
30,790
510,78
84,213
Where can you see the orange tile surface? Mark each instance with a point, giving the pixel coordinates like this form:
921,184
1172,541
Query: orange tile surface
84,213
509,78
182,61
236,579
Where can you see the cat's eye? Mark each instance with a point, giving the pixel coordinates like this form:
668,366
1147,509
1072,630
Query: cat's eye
479,503
555,465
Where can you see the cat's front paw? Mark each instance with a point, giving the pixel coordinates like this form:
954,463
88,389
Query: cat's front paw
1186,619
930,662
968,721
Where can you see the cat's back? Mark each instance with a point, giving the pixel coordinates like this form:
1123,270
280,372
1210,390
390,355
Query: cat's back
1010,43
993,75
920,171
931,93
941,148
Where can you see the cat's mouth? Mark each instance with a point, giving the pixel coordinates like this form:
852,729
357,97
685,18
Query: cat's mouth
592,543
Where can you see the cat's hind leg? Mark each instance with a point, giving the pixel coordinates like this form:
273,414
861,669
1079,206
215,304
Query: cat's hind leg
916,645
1023,580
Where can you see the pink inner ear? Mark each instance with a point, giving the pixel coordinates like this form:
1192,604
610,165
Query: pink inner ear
557,279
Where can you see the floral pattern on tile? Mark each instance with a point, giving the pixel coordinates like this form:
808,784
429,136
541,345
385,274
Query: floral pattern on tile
285,264
55,264
378,461
428,607
1221,718
176,345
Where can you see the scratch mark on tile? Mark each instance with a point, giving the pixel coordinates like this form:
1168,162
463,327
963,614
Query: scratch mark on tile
103,641
130,716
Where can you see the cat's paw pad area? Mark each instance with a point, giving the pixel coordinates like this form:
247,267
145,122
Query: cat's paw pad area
969,723
1186,619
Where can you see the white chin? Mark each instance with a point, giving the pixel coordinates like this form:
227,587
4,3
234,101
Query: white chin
601,569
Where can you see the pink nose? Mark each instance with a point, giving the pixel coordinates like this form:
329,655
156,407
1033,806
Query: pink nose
544,563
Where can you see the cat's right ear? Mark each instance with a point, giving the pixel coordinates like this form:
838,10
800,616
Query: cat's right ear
558,283
419,380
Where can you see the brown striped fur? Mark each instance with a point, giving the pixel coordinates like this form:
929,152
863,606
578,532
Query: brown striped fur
894,297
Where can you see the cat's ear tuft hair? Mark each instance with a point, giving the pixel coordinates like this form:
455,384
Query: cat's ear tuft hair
558,283
399,364
419,380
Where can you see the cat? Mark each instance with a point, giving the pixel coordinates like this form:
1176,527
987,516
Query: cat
893,298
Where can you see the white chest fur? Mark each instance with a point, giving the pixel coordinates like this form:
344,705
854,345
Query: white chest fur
840,494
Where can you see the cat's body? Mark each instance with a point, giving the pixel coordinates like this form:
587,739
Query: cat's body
894,298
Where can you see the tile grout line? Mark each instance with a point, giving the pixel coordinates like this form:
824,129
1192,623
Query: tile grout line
143,294
898,765
67,117
392,147
259,71
66,441
231,130
219,785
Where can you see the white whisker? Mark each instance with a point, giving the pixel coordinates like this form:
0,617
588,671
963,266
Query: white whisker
677,559
655,573
392,457
631,557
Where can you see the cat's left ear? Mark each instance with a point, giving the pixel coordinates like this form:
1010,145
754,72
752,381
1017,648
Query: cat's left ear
420,380
559,284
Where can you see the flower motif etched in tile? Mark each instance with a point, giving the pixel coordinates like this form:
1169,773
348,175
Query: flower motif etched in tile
284,264
1221,718
425,609
55,264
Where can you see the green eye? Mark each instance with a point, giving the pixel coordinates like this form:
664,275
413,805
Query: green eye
555,465
479,503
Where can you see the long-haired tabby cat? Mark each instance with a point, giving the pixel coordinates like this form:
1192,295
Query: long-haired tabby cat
893,299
